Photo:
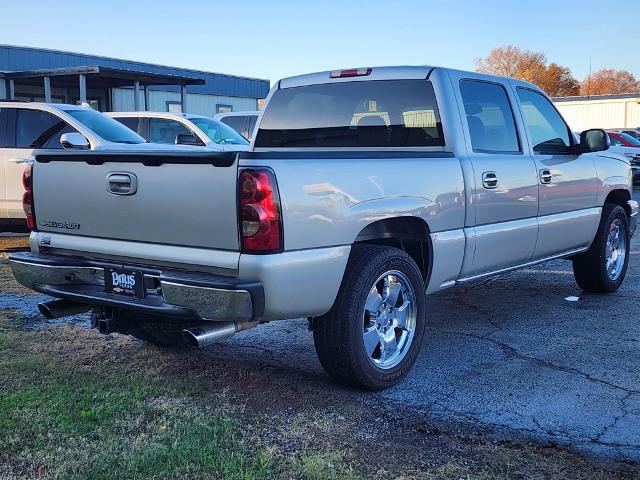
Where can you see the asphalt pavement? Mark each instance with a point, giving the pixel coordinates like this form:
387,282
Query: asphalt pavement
512,356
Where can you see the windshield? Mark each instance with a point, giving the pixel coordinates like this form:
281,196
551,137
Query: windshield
219,132
380,113
629,139
105,127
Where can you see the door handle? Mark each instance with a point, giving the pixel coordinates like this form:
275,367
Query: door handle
545,176
122,183
20,160
489,180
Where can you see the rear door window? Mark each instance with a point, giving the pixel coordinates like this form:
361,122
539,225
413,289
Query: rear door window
162,130
377,113
489,116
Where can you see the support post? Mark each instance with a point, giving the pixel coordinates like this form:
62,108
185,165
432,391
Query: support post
12,89
83,89
47,89
136,96
146,98
183,98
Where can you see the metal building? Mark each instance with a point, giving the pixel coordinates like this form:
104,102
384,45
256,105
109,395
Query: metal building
600,111
110,84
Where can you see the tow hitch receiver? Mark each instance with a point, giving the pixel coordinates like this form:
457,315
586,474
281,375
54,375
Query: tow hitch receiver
106,321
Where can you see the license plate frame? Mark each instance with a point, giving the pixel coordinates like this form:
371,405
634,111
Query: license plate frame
124,281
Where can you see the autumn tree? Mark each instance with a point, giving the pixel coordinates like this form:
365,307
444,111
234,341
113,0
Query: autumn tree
512,61
608,81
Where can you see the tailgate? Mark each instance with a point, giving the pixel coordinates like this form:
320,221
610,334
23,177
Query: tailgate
171,199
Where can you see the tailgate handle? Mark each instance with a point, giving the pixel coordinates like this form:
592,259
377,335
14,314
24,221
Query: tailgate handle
122,183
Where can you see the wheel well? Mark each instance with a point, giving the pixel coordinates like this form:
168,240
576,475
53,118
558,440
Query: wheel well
620,197
410,234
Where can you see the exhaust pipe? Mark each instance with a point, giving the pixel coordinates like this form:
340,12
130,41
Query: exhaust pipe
62,308
213,332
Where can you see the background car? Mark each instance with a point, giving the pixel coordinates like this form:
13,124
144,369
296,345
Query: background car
182,129
623,139
27,127
242,122
634,132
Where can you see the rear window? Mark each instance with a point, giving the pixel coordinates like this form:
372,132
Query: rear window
379,113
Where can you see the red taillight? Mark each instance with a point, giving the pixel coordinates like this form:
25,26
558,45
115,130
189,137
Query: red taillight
27,197
259,211
351,72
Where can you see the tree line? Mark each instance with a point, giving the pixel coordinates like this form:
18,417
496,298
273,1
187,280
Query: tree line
556,80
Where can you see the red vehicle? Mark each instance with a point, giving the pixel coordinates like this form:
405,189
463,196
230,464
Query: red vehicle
623,139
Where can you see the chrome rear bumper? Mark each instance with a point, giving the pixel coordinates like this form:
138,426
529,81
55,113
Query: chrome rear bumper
168,292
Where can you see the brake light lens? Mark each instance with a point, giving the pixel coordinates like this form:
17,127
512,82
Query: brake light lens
259,211
27,197
350,72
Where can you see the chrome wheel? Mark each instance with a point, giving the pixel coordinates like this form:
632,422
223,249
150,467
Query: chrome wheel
616,249
389,319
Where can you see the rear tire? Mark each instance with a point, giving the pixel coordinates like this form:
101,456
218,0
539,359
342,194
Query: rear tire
603,267
372,335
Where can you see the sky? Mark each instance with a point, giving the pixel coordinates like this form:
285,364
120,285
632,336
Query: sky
275,39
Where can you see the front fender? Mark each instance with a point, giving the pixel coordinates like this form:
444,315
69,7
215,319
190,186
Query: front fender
609,184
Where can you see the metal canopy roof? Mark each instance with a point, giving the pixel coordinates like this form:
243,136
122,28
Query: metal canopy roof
101,77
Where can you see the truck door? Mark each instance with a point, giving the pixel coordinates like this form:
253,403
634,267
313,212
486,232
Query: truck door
568,216
505,189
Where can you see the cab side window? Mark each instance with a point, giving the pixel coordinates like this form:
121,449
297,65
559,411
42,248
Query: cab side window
165,131
129,122
38,129
548,132
238,123
490,119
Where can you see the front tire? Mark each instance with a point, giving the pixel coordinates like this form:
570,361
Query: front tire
372,335
602,268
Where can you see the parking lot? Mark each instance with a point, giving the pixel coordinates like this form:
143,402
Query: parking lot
515,357
511,355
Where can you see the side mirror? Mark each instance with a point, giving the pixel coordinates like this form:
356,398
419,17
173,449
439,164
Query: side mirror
594,140
188,139
74,140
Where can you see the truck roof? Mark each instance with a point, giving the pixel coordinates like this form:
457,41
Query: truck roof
404,72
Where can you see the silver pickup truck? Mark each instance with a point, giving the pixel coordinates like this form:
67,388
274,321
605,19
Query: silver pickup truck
364,191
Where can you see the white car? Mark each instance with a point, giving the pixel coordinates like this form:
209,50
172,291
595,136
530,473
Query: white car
183,129
30,127
241,122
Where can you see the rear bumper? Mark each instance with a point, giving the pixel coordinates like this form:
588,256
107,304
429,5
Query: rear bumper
635,214
169,293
